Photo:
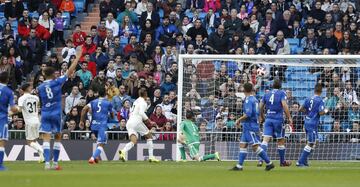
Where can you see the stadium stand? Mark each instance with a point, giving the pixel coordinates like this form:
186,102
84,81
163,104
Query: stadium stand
119,60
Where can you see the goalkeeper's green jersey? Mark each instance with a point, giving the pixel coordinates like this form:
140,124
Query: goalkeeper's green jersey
190,130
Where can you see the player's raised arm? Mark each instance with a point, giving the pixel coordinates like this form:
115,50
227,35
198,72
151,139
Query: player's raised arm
72,67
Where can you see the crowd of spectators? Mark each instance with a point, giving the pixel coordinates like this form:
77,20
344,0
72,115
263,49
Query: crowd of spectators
137,42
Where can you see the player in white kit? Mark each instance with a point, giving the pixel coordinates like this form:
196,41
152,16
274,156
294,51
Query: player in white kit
29,105
135,125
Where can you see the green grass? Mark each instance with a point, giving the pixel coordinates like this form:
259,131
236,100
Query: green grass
172,174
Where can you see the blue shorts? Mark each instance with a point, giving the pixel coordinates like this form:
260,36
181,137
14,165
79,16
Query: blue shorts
311,132
274,128
50,123
250,137
4,134
101,135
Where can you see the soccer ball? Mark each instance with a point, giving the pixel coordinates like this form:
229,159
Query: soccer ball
261,71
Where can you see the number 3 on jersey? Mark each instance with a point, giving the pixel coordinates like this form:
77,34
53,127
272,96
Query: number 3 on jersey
49,93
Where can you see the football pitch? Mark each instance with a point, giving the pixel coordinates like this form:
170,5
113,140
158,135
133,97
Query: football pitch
172,174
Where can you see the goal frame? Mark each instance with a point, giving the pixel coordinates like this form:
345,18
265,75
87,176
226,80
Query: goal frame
256,59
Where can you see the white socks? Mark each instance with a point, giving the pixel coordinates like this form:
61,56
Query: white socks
128,146
37,147
149,142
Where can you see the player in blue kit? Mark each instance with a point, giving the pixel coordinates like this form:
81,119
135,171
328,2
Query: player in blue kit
50,96
274,104
100,109
313,108
250,130
6,100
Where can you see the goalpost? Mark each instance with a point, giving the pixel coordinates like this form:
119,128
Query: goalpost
211,85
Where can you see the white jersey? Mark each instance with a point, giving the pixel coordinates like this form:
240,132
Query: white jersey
29,107
138,109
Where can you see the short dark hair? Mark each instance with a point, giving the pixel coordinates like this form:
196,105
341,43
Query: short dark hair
4,77
142,92
248,87
189,114
77,25
101,90
93,27
318,88
49,71
25,86
277,84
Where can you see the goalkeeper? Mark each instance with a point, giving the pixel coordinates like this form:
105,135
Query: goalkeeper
189,136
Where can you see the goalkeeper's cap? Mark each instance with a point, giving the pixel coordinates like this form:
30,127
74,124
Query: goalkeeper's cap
189,114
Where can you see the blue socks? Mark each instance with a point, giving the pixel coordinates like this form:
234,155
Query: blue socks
281,151
242,156
2,153
56,151
264,146
304,155
46,148
97,152
262,154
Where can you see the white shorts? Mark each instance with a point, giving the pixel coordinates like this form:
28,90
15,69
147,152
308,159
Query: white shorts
136,127
32,131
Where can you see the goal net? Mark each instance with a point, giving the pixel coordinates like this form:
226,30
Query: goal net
211,86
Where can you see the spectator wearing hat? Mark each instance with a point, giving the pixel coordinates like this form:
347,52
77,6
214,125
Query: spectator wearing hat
26,54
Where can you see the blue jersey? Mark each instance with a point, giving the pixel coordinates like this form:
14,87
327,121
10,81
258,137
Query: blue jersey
273,106
100,112
251,110
50,95
6,100
312,107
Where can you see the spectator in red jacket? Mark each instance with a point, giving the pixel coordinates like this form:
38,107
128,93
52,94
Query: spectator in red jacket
168,136
131,46
57,3
88,47
158,117
78,36
41,32
91,64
